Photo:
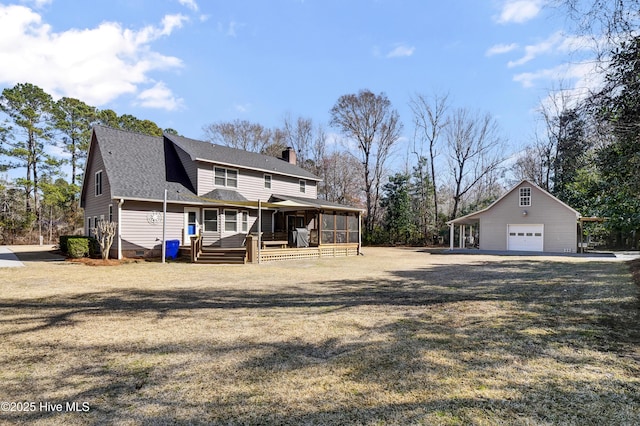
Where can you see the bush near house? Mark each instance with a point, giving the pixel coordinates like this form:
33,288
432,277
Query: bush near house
77,247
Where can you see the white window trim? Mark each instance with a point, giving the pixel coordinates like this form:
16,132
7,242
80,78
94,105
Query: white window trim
244,221
302,186
225,220
226,178
268,178
96,186
204,221
522,198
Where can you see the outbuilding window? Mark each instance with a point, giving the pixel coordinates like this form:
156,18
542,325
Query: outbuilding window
525,197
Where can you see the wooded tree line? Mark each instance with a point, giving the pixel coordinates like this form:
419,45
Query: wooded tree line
456,161
40,136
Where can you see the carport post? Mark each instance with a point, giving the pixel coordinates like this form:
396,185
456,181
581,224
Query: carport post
451,235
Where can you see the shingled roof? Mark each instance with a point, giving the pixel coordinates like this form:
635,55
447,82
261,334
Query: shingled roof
224,155
140,166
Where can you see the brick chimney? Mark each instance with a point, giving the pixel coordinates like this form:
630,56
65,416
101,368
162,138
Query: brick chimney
289,155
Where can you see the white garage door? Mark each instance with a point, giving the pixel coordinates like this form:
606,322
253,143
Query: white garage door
525,237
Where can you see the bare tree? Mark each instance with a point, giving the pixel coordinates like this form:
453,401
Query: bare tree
343,179
530,164
429,116
105,232
369,120
475,150
240,134
298,134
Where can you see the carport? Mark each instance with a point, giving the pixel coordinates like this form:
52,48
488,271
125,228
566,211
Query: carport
468,231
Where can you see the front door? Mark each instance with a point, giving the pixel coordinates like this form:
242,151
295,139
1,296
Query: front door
191,223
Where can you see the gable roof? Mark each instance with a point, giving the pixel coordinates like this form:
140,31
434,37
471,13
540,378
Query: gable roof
471,216
141,167
227,156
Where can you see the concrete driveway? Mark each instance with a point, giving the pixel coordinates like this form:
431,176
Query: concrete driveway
8,259
16,256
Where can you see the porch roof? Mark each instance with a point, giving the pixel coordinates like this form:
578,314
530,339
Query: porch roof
298,203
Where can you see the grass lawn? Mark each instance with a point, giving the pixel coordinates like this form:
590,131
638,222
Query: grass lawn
397,336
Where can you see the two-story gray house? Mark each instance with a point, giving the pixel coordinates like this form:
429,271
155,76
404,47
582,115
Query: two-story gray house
213,191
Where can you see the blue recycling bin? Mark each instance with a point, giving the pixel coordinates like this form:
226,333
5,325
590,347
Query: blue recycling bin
172,248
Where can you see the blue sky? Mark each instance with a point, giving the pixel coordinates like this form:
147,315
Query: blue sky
188,63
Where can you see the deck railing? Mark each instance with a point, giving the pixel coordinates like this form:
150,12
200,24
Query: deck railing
333,250
196,247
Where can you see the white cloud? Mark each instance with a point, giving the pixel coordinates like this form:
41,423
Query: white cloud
500,49
96,65
159,96
401,51
38,3
584,75
191,4
519,11
534,50
242,108
558,42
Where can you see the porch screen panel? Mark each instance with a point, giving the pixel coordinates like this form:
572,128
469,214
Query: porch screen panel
327,230
352,227
341,228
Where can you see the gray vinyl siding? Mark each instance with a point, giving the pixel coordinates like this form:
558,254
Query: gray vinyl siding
222,238
251,184
205,178
559,221
138,234
96,206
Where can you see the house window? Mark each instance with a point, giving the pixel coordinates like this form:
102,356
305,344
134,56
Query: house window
525,197
210,220
110,212
89,226
245,221
303,186
225,177
231,221
267,181
99,183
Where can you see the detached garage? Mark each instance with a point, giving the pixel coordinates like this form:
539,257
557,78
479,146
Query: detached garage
525,218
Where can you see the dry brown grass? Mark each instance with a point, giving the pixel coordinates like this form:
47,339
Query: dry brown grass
398,336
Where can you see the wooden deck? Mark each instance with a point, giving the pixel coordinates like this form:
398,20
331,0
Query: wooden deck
215,255
334,250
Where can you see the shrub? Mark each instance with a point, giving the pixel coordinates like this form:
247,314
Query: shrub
64,248
81,246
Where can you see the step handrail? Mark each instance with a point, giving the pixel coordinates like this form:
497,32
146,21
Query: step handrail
196,247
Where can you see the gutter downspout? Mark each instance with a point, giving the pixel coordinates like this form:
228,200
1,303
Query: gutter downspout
120,203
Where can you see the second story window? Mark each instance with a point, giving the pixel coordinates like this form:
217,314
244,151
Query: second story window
525,197
99,183
225,177
267,181
303,186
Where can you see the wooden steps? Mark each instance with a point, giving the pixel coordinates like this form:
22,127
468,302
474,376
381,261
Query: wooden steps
218,256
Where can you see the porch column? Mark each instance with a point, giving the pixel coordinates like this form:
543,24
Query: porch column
461,236
451,235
